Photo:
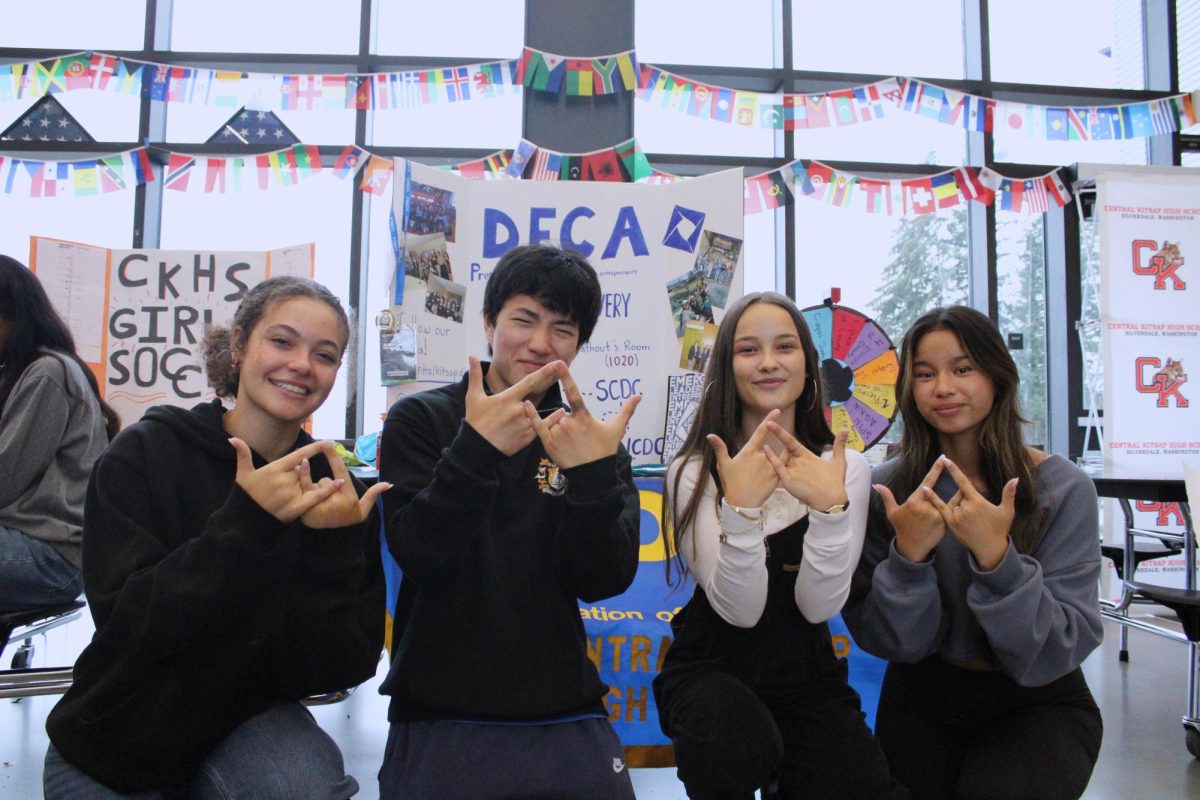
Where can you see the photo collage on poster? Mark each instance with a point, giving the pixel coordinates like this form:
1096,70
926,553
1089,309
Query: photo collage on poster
429,224
694,294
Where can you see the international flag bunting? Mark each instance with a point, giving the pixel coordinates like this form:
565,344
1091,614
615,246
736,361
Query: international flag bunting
377,175
577,77
637,166
913,196
491,167
522,155
179,169
789,112
547,166
599,75
348,161
541,71
766,191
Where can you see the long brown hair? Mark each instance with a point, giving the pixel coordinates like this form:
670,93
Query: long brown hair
720,412
1001,446
34,324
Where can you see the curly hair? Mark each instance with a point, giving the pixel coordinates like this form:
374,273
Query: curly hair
222,343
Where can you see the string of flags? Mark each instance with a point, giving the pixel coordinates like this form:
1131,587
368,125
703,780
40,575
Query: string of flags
624,162
906,197
233,89
874,101
600,75
92,176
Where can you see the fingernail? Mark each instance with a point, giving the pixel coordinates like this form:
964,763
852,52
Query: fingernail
339,482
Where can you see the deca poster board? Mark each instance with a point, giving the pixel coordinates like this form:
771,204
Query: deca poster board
1150,328
138,316
666,255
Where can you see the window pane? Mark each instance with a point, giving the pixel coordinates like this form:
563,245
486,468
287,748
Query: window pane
1093,363
1021,298
705,33
105,220
315,210
923,39
899,137
890,268
1029,147
758,257
1187,30
264,26
662,130
484,29
118,25
491,123
1068,43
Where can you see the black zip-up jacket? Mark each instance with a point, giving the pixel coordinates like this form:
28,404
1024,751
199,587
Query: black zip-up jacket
496,552
207,608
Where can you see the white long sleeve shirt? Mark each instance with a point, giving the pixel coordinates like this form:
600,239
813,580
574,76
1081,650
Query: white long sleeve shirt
733,572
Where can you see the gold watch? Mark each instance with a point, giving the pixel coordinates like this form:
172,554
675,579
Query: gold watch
838,509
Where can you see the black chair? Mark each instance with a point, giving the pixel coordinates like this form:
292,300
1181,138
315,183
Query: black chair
31,622
1186,604
1147,551
1137,545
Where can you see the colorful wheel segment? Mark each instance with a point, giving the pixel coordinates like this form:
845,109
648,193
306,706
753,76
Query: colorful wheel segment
859,368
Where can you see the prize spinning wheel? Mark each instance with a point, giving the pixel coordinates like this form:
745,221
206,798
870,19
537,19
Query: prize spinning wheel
859,368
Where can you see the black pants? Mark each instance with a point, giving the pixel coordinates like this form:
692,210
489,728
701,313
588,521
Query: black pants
804,741
446,760
950,732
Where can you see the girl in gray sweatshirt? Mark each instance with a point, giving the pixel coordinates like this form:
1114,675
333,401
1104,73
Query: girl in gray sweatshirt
978,582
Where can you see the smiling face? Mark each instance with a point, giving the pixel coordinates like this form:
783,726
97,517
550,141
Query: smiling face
290,360
525,337
768,360
951,392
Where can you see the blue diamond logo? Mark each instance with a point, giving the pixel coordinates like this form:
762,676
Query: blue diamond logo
683,231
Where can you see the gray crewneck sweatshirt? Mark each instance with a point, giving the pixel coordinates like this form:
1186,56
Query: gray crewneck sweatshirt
51,433
1034,616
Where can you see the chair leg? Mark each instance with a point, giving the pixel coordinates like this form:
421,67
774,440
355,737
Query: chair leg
23,657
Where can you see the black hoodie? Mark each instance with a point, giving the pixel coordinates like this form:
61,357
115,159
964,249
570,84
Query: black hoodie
496,553
207,608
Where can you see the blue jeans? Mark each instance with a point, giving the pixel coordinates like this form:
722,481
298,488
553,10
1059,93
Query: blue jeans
33,574
281,754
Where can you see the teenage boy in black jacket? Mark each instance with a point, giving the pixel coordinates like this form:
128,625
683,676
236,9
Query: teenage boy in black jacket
507,509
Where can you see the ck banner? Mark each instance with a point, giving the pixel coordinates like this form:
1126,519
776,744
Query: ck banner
650,246
138,316
1150,243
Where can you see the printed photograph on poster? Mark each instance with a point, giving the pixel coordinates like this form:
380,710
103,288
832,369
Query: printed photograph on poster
717,259
398,355
698,339
683,399
445,298
430,210
427,255
688,295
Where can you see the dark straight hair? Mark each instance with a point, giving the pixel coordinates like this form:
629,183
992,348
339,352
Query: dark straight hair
720,412
561,280
33,324
1002,452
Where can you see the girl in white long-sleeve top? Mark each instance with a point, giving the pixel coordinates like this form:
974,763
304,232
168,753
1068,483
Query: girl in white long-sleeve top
768,511
978,582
